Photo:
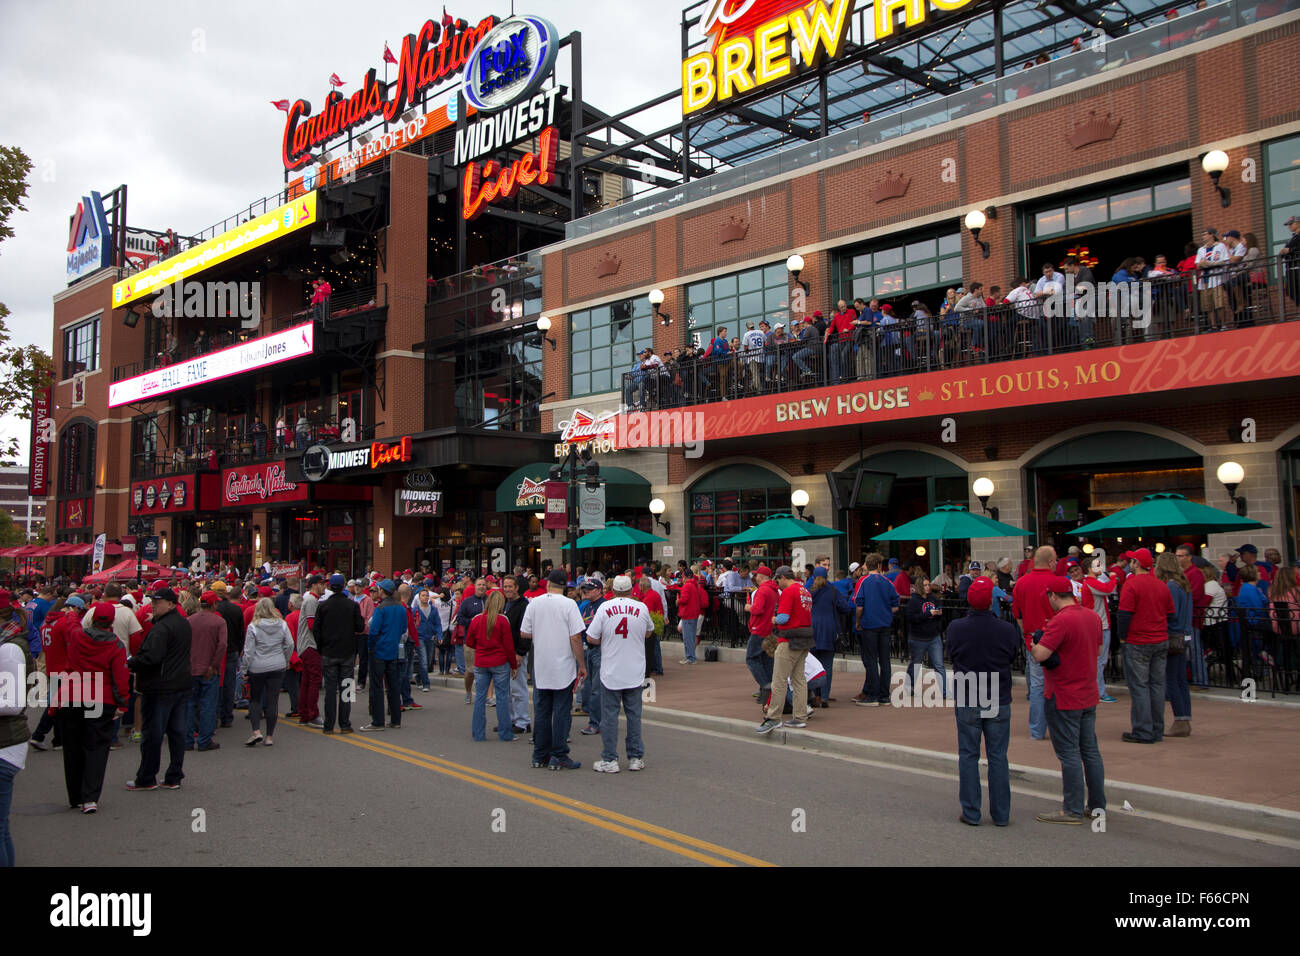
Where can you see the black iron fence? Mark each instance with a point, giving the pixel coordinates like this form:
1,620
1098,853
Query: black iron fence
213,453
1071,319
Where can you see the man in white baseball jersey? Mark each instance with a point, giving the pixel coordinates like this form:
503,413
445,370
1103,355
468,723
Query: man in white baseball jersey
620,626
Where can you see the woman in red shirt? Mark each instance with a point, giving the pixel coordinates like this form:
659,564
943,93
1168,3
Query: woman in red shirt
494,663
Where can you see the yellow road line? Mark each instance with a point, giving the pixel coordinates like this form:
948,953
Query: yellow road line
576,809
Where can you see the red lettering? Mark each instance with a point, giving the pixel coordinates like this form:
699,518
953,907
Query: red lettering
478,189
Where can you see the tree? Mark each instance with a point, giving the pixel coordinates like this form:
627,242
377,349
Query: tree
23,368
11,533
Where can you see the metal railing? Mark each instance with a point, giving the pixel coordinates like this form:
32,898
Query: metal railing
252,447
1142,44
1255,293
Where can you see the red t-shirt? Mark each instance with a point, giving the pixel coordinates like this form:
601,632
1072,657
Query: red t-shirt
903,584
1148,598
1024,568
1075,635
796,601
762,607
291,622
842,325
1029,602
653,602
1200,600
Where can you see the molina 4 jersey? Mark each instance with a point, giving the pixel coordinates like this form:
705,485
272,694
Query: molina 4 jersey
621,625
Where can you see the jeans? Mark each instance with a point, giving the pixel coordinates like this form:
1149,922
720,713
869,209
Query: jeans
552,718
654,655
264,692
7,773
875,658
1102,661
164,714
759,664
460,658
840,357
292,684
975,327
827,659
425,658
363,659
1074,738
383,680
228,688
499,676
445,657
202,710
519,697
1034,677
918,651
1177,692
996,732
630,698
1144,669
409,653
1200,673
689,628
798,359
338,700
85,752
590,696
309,689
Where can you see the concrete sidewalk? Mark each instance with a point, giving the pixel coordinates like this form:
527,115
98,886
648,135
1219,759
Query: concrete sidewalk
1239,753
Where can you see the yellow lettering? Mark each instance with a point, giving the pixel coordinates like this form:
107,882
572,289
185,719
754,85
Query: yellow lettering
771,62
914,12
780,411
735,57
825,34
902,397
1086,375
950,4
842,405
821,404
1110,371
945,392
698,85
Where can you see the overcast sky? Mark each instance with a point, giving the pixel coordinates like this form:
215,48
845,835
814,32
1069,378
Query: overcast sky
173,99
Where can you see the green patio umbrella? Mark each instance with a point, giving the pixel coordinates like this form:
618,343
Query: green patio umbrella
782,528
949,522
616,534
1166,513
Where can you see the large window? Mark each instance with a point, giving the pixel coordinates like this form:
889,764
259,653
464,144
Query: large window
144,444
497,382
604,341
738,301
81,348
729,500
1282,169
1110,208
77,459
886,270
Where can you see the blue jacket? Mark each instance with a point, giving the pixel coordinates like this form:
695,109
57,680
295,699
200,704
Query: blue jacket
1182,608
429,628
877,598
387,627
827,604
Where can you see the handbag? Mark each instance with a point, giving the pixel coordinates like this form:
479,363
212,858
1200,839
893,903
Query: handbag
1177,643
800,638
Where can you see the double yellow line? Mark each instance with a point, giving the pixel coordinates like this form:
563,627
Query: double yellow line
701,851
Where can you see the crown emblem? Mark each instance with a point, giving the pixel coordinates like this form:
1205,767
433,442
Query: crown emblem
733,230
607,265
1093,130
925,395
891,187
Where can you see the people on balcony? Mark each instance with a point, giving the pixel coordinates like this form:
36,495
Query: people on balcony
320,299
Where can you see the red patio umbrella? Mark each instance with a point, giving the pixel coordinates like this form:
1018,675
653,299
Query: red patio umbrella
125,570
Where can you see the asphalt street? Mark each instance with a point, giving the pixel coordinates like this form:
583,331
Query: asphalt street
428,794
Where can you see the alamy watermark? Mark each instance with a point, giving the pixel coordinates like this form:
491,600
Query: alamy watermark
211,300
1089,300
968,689
667,429
70,689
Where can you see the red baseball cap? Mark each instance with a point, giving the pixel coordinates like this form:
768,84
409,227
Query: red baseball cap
980,594
103,611
1143,557
264,591
764,570
210,597
1058,584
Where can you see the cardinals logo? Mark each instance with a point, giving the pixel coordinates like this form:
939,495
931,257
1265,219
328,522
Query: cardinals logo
531,492
584,427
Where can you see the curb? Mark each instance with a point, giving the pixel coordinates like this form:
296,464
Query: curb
1205,811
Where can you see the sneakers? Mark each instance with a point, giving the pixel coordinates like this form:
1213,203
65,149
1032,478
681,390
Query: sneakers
89,807
254,740
492,702
1107,699
767,726
424,690
211,746
539,764
567,763
686,661
589,730
137,736
318,723
327,731
369,727
132,785
1060,816
636,763
117,745
469,699
413,706
347,730
1135,739
38,744
605,766
170,786
864,701
794,722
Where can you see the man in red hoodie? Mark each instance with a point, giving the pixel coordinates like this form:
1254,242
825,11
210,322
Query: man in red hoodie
762,616
690,605
98,695
54,641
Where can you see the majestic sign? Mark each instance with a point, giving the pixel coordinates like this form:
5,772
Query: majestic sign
321,460
253,485
506,128
90,248
283,346
510,62
163,496
478,188
245,237
410,503
584,429
1201,361
428,58
38,477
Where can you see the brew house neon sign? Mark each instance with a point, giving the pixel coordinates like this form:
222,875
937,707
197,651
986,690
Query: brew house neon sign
428,58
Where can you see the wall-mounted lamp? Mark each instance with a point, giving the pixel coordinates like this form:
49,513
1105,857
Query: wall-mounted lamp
1215,162
975,221
544,326
257,542
983,489
381,537
1160,547
657,508
794,265
799,498
1231,475
1088,548
657,299
920,551
163,546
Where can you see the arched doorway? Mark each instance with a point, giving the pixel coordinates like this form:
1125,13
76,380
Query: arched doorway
918,482
727,501
1094,475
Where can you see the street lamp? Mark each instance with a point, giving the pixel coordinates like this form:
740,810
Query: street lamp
1231,475
656,298
544,326
975,221
799,498
983,489
657,508
794,265
1215,162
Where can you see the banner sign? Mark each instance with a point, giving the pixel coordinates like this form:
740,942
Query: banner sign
1201,361
319,461
74,513
412,503
245,237
557,506
90,247
149,547
249,356
97,556
251,486
163,496
591,508
38,477
479,188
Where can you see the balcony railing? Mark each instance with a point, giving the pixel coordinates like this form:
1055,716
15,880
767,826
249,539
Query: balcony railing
214,453
1260,292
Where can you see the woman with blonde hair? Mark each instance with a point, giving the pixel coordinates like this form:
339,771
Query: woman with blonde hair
495,663
1176,690
268,648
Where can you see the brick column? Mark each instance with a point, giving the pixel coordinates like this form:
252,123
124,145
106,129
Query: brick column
1262,489
405,240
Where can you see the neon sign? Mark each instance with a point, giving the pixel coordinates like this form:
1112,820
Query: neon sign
480,189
